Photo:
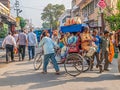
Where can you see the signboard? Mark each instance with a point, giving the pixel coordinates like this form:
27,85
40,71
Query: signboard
101,4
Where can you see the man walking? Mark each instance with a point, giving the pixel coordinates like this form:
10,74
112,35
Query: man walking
9,43
97,41
49,53
105,43
22,41
32,42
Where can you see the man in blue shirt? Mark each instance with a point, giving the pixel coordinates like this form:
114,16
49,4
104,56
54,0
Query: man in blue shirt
97,41
49,52
32,42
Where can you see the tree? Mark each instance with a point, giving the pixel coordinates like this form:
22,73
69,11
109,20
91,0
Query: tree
51,14
22,22
3,33
113,18
45,25
3,30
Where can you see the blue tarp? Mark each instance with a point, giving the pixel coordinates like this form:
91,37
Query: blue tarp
72,28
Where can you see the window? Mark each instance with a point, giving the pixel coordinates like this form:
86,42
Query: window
89,9
85,11
95,3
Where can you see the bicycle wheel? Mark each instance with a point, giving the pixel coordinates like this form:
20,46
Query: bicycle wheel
86,64
37,61
71,65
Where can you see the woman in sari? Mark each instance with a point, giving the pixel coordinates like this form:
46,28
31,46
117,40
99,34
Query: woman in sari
111,49
86,39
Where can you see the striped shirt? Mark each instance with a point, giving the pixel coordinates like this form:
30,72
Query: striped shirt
22,39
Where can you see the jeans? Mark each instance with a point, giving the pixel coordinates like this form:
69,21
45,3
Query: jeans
31,52
22,51
9,49
47,57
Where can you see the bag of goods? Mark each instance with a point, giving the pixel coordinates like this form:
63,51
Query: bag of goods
91,51
15,51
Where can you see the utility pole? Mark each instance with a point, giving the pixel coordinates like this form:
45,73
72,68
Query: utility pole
102,22
17,8
51,19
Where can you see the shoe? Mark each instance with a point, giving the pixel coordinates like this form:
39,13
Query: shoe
97,66
7,62
91,68
106,70
13,60
44,72
57,73
100,68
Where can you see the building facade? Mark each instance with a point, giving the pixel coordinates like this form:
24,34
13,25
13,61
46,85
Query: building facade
75,11
89,12
7,21
6,3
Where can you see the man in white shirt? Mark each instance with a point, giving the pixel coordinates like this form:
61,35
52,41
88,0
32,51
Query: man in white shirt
9,43
32,42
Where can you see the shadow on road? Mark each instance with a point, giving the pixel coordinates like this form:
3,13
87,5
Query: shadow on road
48,80
25,63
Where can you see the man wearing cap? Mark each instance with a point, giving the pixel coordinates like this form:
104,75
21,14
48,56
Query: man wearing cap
9,43
49,52
105,44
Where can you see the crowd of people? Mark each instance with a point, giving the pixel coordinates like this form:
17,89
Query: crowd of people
17,43
104,41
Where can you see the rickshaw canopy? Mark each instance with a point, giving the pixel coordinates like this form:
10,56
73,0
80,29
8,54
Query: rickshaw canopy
73,28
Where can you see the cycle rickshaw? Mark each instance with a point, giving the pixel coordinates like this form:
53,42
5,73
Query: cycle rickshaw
75,63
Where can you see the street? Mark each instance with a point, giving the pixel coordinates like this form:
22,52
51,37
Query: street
22,76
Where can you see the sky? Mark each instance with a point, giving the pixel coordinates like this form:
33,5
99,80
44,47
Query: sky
32,9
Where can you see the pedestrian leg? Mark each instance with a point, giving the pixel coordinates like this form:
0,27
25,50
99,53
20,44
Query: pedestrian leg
46,61
20,52
97,58
7,53
54,62
102,56
23,52
92,62
33,52
12,53
98,62
106,61
29,52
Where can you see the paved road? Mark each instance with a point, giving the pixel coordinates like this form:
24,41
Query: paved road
21,76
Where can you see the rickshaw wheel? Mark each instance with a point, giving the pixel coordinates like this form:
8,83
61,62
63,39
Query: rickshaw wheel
73,64
37,61
87,63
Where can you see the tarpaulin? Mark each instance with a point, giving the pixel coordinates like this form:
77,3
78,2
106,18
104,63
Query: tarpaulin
72,28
